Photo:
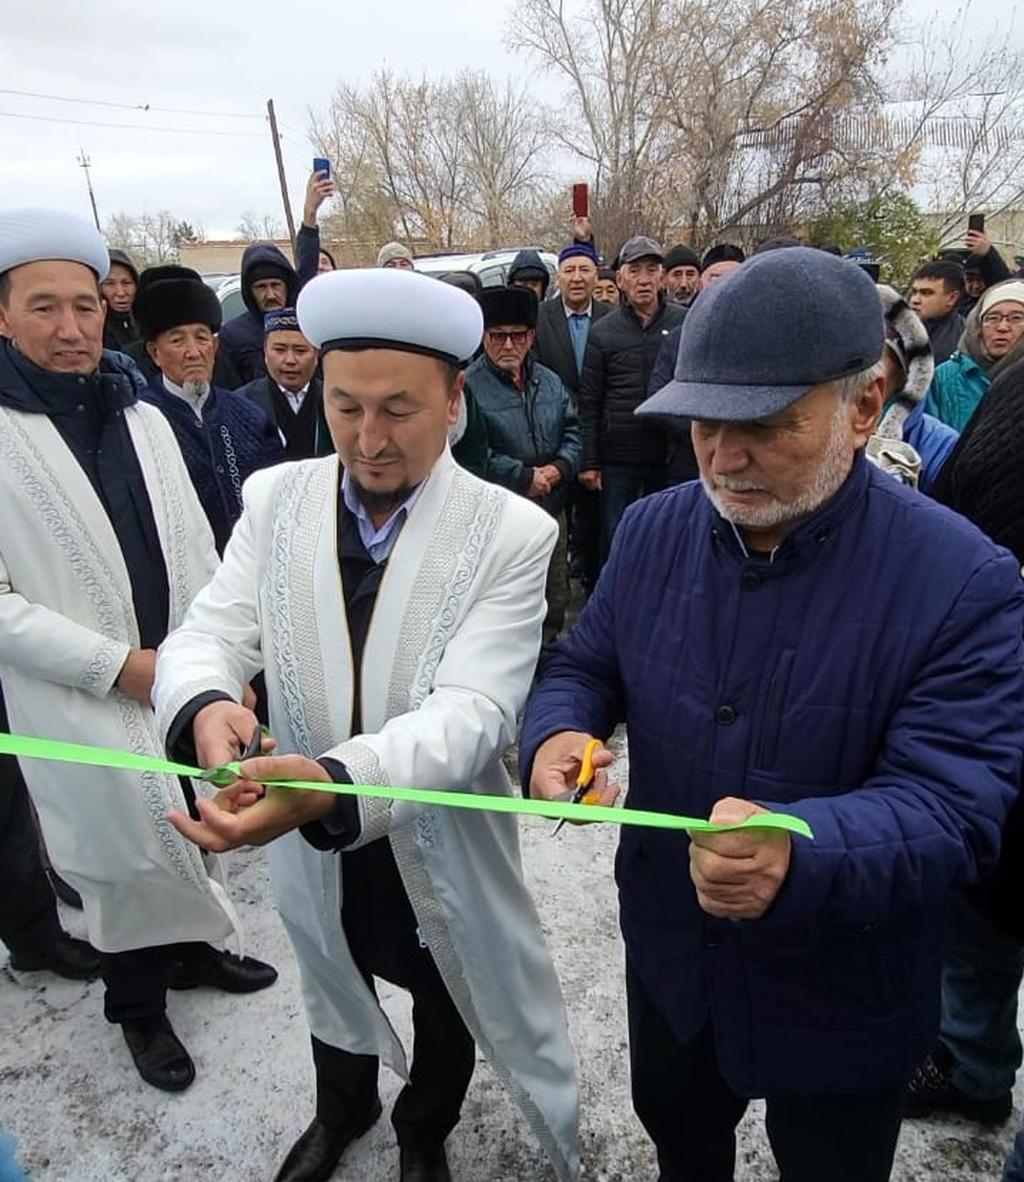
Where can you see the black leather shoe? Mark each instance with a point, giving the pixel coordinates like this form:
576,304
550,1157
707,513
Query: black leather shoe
222,970
66,956
64,891
418,1166
159,1056
315,1156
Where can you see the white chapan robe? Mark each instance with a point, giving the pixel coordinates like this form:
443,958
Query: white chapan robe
67,624
447,665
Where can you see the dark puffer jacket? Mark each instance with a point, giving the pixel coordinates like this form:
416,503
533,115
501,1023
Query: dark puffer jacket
984,480
242,338
620,359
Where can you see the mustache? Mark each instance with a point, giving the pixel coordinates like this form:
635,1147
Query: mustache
734,484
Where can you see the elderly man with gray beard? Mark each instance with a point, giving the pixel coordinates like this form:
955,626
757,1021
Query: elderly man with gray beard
796,632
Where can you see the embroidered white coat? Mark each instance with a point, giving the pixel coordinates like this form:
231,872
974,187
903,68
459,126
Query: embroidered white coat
446,668
67,623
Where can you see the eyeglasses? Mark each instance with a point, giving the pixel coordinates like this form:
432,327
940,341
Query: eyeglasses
516,337
1015,319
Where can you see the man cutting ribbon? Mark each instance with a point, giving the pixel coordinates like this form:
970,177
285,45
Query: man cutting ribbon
395,604
805,633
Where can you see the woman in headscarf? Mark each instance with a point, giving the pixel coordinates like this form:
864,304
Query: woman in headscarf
992,341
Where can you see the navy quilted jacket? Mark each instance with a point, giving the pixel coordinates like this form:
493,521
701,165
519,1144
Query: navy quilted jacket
234,439
869,679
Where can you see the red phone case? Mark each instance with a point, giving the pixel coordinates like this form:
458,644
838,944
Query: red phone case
581,200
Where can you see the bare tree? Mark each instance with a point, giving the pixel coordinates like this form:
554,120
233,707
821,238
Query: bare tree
709,115
444,162
504,139
963,105
362,214
254,228
151,238
614,118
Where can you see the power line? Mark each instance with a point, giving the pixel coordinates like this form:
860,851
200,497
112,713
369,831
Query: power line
57,98
130,126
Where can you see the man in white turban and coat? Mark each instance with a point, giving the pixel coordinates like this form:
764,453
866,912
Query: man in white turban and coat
103,545
394,602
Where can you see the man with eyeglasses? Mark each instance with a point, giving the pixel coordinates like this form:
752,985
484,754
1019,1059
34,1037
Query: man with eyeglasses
532,429
991,343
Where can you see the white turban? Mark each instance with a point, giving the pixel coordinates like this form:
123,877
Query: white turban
37,235
390,308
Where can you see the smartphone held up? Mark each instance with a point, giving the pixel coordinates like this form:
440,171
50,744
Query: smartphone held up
581,200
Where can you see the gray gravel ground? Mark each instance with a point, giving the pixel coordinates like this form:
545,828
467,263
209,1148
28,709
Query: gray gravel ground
81,1114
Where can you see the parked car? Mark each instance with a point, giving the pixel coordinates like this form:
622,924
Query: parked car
491,266
228,289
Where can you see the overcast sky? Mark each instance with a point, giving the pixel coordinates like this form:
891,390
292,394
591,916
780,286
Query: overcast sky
205,55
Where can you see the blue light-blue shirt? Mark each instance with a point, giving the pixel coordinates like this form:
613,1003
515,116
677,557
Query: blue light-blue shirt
378,542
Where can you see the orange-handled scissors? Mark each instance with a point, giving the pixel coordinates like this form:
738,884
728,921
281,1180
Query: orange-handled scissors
584,779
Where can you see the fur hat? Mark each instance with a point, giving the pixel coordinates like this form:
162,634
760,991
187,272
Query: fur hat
508,305
170,296
907,339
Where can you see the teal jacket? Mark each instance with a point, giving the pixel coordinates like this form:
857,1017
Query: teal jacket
957,387
527,428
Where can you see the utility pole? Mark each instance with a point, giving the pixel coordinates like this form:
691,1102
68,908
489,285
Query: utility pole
83,162
280,173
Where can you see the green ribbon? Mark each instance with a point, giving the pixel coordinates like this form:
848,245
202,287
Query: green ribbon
26,747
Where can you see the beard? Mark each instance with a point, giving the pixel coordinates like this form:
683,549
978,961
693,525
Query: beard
832,470
378,503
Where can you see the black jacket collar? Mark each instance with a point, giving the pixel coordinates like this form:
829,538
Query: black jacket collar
26,387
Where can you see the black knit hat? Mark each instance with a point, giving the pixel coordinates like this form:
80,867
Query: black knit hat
722,252
508,305
682,256
170,296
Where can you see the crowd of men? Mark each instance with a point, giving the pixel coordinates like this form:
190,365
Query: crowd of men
792,501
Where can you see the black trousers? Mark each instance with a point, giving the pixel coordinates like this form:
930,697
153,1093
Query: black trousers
584,511
380,927
136,981
691,1113
28,909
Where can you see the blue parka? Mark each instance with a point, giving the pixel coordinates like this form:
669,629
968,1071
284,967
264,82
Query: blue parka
932,440
869,678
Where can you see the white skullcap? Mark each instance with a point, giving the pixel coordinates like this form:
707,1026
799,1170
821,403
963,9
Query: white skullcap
390,308
37,235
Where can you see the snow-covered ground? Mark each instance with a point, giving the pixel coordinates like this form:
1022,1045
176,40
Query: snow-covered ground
70,1095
